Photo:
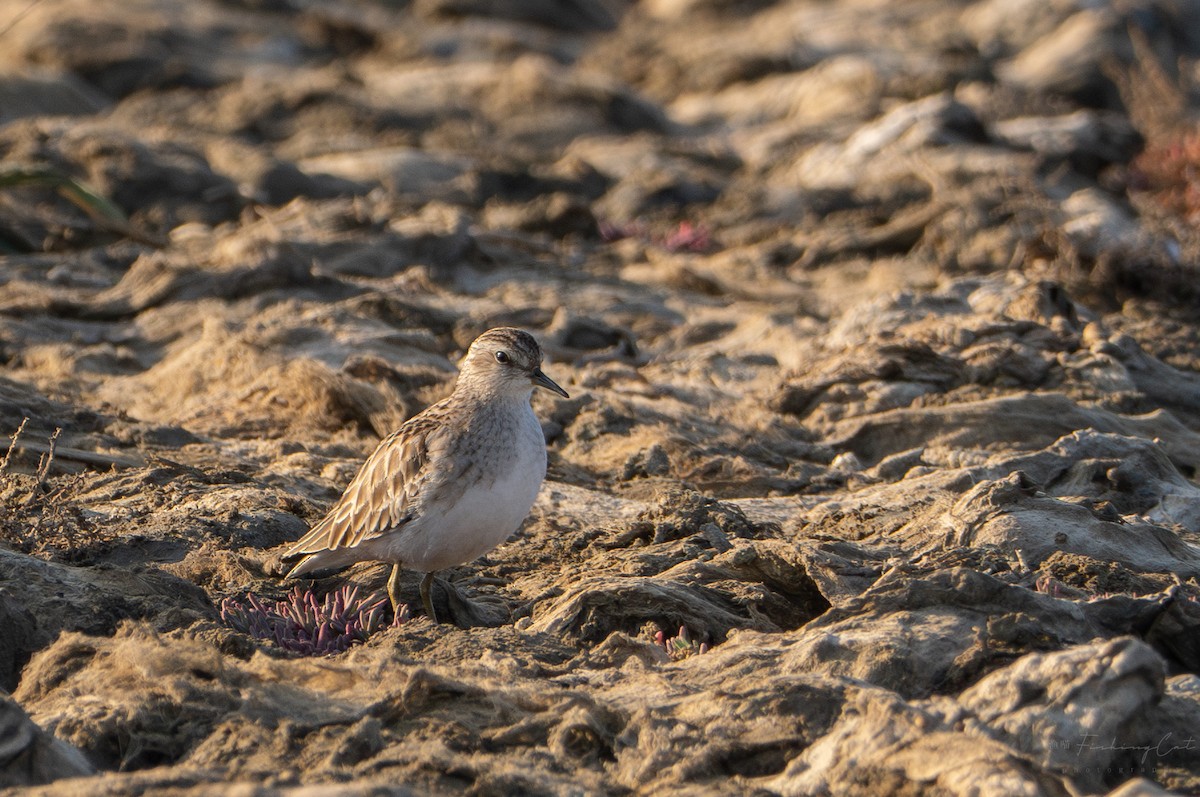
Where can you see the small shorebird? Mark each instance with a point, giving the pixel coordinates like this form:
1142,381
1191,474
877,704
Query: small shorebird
452,482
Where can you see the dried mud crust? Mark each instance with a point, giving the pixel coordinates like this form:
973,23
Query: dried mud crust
879,473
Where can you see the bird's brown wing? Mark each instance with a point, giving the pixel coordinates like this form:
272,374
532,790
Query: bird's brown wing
383,496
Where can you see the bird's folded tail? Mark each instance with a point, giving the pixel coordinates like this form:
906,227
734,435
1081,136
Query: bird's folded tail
317,560
298,568
335,543
311,552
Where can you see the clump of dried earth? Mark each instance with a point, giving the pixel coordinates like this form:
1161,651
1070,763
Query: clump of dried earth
884,354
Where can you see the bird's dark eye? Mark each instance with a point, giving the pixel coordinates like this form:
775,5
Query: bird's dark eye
502,357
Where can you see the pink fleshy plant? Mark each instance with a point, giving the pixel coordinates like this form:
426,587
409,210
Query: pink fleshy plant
301,623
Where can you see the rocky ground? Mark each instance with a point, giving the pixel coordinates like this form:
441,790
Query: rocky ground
881,323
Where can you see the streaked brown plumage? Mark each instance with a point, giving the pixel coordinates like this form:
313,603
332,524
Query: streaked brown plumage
452,482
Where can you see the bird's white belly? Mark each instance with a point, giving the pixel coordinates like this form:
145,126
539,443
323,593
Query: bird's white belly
481,518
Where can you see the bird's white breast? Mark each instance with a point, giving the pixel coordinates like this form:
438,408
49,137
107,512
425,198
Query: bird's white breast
496,498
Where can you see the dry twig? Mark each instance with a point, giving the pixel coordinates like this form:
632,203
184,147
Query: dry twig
12,444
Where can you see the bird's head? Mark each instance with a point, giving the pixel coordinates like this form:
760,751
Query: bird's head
507,361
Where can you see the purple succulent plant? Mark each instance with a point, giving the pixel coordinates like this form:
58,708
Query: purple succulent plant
615,231
681,645
301,623
687,237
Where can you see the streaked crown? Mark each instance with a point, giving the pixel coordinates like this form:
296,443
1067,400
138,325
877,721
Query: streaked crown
501,360
517,343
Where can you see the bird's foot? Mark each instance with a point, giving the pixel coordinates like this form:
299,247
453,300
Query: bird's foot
427,599
393,592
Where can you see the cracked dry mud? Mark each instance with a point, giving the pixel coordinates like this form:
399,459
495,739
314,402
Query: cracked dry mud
880,324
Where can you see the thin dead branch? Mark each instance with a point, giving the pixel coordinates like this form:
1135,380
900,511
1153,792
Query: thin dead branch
12,444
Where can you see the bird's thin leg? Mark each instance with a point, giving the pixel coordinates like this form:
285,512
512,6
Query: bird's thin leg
426,600
393,589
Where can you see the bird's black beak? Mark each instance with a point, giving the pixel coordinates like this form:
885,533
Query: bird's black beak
541,380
